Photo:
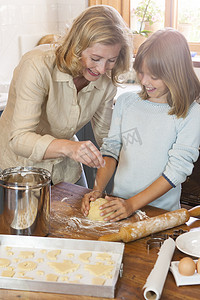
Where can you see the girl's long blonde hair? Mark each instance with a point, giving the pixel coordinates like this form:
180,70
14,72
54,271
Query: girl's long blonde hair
167,56
97,24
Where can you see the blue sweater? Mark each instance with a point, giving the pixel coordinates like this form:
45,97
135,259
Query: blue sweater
148,143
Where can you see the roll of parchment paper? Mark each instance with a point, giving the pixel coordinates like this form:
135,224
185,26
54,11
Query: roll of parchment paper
156,279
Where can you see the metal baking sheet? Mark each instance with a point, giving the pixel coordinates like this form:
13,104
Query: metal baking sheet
16,244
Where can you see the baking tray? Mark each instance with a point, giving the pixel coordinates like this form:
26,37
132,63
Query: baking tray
11,246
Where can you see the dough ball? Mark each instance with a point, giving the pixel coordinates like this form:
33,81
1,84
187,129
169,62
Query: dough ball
94,212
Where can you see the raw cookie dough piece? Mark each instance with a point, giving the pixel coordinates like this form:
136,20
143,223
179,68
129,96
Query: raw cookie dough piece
4,262
103,256
99,269
94,212
27,265
51,277
26,277
84,257
98,281
74,281
8,273
67,266
26,254
53,254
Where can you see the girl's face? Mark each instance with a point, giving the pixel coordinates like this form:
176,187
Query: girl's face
99,59
155,87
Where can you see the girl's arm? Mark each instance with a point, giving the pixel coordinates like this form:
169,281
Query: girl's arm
102,178
104,174
125,208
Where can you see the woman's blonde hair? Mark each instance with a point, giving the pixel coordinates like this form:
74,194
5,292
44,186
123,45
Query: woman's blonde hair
97,24
167,56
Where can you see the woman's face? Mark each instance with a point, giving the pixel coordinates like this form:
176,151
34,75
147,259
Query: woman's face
98,59
155,87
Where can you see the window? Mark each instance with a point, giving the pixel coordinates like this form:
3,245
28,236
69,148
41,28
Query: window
183,15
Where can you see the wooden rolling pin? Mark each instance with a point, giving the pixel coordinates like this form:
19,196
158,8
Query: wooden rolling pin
144,228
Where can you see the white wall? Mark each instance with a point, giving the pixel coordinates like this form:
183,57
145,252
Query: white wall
23,22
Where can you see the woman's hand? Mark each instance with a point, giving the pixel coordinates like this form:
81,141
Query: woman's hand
121,209
85,205
84,152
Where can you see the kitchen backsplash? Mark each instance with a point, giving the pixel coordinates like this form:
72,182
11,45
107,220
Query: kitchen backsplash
34,18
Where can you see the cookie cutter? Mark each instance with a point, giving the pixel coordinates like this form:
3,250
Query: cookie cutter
156,240
176,233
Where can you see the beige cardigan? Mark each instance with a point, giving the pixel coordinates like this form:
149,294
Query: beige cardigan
43,104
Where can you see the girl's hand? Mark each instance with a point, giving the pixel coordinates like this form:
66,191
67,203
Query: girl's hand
85,152
122,209
85,205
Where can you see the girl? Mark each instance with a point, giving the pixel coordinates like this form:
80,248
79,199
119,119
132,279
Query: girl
154,136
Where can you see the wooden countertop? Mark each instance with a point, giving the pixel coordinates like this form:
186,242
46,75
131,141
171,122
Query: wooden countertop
67,222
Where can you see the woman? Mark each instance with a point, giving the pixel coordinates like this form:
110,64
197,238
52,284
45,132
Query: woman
56,90
154,137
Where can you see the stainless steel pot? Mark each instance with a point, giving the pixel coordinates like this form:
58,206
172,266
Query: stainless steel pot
25,194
